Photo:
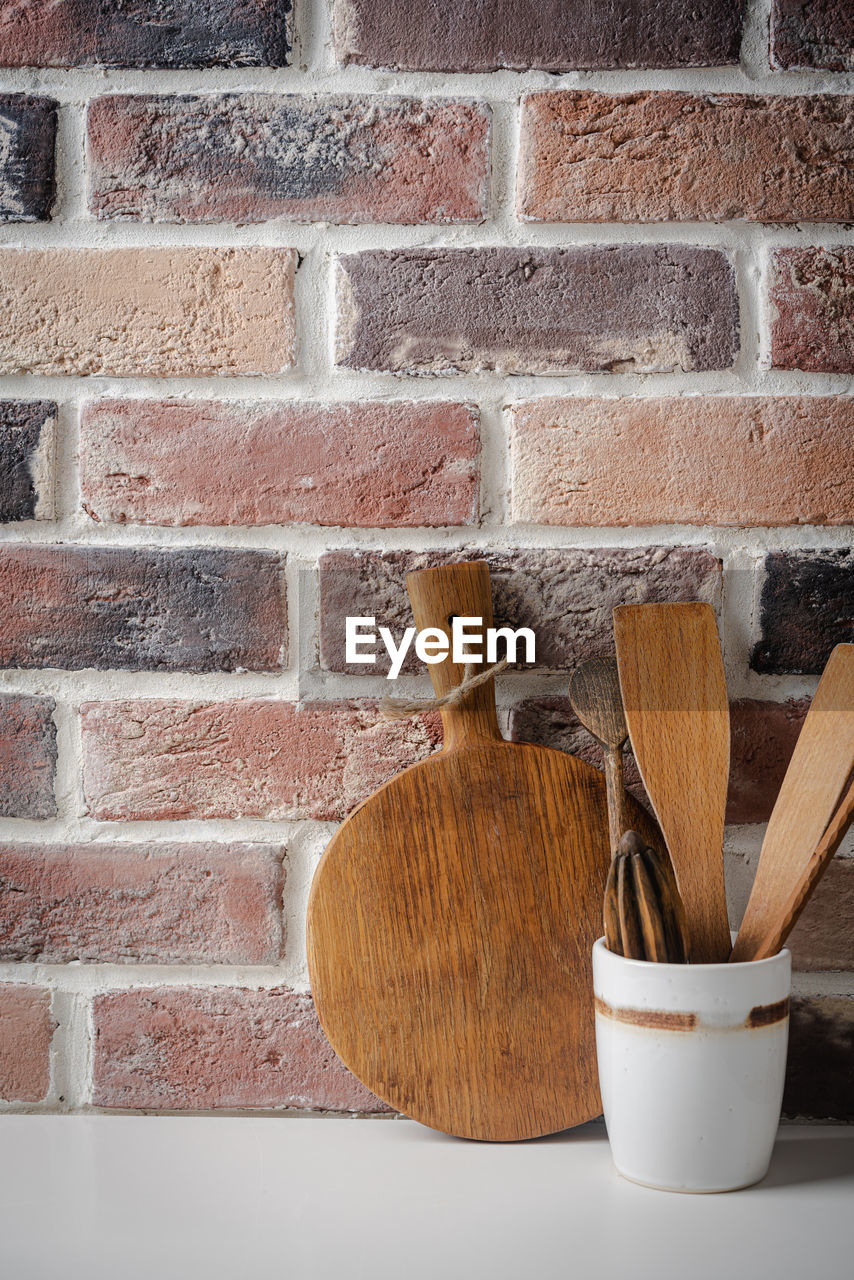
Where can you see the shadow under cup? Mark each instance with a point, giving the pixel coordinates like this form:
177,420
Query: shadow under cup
692,1062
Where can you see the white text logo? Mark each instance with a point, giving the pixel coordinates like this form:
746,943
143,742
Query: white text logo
431,644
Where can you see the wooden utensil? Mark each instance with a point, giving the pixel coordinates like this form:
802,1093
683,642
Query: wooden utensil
451,918
594,692
837,829
675,702
643,912
793,851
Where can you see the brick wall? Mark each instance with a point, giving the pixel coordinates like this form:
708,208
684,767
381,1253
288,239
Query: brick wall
293,301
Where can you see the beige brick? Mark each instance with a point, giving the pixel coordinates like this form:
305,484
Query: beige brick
147,312
722,460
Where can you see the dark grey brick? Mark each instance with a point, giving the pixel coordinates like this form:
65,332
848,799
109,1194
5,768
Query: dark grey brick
554,35
27,145
636,308
819,1078
25,430
204,609
806,607
27,756
812,33
139,33
565,596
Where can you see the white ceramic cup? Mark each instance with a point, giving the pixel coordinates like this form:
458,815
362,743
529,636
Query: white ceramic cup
692,1060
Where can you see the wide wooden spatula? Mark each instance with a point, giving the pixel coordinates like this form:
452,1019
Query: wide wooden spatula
795,851
452,917
675,702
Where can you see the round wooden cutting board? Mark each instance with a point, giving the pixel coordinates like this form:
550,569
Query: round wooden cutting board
451,918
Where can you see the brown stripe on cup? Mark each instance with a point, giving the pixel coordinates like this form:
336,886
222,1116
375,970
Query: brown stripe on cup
761,1015
764,1015
655,1019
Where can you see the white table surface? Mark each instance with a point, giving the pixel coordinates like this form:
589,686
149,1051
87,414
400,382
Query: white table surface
172,1198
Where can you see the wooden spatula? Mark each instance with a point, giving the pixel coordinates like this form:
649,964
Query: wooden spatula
793,850
827,846
594,692
452,916
675,701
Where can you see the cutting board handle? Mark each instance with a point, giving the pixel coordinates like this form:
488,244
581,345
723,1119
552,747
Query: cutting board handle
437,596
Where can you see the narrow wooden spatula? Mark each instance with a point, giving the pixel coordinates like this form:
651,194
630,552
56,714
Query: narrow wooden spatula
675,702
793,849
787,917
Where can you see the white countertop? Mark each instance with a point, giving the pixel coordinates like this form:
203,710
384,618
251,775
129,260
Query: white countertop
172,1198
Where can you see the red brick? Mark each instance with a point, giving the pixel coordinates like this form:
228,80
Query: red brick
670,157
819,1079
250,157
621,308
26,1031
198,609
812,301
149,903
26,459
186,33
763,739
551,722
158,313
806,606
249,758
208,462
197,1049
480,35
823,938
565,596
27,756
812,33
28,127
705,460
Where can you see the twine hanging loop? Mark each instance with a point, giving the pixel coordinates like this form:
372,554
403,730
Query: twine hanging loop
401,708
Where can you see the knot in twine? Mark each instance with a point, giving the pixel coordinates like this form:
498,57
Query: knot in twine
401,708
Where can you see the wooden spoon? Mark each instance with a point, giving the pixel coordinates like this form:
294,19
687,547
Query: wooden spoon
675,702
817,774
594,692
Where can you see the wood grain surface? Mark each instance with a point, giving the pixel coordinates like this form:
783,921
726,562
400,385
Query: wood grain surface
676,707
452,917
794,853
